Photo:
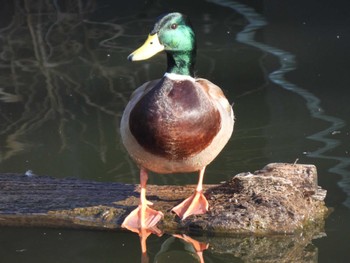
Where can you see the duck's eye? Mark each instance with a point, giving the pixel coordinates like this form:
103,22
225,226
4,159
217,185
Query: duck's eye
173,26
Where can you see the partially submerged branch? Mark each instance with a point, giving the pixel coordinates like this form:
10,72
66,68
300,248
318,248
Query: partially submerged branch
279,199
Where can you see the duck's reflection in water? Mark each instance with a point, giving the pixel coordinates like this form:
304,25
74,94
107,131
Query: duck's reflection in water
191,247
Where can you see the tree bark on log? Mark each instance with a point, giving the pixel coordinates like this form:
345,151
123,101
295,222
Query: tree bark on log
278,199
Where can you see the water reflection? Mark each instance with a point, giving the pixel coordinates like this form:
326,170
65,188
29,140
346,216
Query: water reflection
287,63
61,245
64,81
192,246
44,105
278,248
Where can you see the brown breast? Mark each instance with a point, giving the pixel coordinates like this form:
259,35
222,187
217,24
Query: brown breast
175,120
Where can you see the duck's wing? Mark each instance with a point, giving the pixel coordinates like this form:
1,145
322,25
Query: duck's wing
216,94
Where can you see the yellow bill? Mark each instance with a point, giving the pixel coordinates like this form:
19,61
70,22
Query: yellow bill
148,49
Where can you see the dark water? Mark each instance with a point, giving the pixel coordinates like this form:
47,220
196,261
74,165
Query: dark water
64,81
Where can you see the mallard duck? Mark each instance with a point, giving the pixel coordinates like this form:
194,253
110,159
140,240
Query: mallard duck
175,124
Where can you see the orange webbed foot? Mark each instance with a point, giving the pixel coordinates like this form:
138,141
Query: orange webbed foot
196,204
142,218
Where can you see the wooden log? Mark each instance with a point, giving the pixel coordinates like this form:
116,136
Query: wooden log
280,198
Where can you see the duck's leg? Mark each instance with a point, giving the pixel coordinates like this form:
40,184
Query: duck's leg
142,217
196,204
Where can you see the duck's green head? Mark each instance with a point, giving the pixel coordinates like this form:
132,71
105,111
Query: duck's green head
172,33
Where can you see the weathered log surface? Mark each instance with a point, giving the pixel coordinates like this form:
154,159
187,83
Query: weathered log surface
280,198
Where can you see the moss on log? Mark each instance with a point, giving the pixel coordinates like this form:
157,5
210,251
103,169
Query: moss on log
281,198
